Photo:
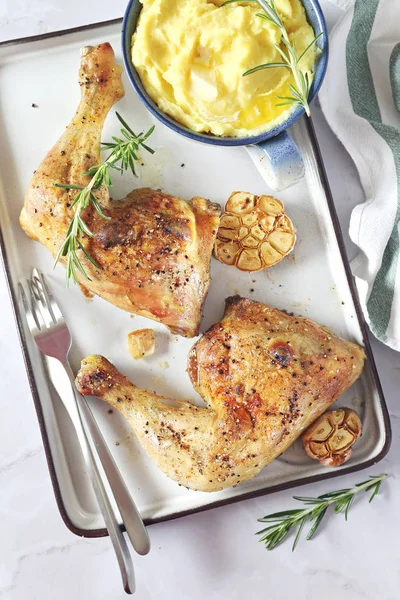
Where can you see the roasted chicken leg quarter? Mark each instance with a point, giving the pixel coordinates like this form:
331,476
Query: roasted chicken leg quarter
154,252
265,377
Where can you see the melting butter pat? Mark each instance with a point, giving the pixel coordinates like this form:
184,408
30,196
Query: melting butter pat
203,84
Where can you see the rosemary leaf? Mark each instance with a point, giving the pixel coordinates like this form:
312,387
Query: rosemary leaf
298,534
376,490
235,1
284,514
97,207
90,258
264,66
317,522
349,503
310,45
69,186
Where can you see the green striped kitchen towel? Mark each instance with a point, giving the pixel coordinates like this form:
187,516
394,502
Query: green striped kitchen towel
360,98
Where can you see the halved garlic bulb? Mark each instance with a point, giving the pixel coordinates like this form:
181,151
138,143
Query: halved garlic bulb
254,232
330,437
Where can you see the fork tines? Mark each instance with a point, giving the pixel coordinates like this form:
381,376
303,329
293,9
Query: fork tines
41,310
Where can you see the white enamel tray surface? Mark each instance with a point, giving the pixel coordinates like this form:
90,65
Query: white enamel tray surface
311,282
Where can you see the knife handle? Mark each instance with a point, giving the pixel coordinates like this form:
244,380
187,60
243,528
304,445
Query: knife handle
131,518
61,377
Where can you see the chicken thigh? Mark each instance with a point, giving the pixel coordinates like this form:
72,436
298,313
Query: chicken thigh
265,377
154,252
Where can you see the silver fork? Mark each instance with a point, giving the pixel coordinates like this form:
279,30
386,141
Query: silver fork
53,338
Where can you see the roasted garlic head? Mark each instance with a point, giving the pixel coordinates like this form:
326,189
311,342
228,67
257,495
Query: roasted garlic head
254,232
330,437
141,343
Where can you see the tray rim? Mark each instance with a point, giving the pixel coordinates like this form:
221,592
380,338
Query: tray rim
102,532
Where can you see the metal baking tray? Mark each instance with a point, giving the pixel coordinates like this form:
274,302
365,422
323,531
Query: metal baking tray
38,95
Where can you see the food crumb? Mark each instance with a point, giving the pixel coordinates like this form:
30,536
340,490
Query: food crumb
110,411
163,364
141,343
117,443
34,105
183,164
158,380
88,295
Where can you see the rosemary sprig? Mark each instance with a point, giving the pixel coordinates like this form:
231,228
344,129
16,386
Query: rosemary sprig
124,153
301,88
282,522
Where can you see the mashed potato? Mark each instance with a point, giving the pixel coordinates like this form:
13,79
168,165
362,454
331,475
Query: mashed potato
191,55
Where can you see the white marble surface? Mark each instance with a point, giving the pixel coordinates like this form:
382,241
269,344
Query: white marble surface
214,554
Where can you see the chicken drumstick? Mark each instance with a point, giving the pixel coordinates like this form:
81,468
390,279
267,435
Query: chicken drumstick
154,253
265,376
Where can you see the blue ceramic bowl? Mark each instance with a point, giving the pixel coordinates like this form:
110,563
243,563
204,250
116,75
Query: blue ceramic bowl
285,163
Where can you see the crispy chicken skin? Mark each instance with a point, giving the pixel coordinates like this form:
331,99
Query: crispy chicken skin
265,377
155,251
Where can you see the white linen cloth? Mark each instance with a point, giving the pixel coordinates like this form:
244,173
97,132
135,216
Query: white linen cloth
360,98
